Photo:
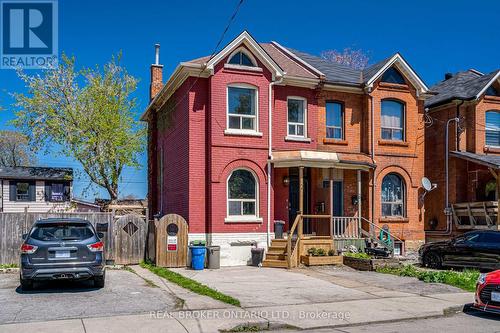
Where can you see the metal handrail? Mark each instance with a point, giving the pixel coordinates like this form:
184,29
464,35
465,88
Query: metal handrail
390,234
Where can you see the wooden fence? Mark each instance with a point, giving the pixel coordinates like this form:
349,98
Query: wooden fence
124,236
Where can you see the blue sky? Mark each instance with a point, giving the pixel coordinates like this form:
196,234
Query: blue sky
434,36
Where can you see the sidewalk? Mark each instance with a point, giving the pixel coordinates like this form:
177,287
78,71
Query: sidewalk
274,298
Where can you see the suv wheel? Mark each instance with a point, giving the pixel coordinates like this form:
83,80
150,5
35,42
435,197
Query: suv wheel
432,260
99,281
26,284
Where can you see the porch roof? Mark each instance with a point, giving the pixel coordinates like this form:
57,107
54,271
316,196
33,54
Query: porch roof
491,161
320,159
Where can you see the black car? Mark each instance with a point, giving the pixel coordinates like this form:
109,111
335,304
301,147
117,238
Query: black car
474,249
62,249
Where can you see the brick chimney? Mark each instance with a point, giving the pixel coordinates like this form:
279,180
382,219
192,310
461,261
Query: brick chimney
156,74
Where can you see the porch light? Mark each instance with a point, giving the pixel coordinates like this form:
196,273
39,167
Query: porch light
286,181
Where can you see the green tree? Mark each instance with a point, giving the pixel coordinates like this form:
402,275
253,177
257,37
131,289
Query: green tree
15,149
85,114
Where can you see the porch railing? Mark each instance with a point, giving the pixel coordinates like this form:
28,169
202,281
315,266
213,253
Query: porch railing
346,227
475,215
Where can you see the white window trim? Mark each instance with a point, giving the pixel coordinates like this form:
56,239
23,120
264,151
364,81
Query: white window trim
248,54
289,136
402,129
235,131
243,218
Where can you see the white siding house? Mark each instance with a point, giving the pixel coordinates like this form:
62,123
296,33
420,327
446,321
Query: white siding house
35,189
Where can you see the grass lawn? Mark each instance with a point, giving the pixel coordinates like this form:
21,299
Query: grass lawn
465,279
190,284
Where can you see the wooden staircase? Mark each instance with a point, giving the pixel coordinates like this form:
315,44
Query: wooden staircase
276,254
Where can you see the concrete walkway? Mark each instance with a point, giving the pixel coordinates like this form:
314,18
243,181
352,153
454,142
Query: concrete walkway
330,297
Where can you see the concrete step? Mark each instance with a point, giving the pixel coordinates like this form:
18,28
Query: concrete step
275,263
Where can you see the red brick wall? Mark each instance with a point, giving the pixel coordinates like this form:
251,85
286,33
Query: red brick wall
462,179
229,152
173,143
405,159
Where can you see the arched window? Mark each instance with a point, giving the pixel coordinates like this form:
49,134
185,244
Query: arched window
392,120
242,192
493,128
392,75
393,195
242,59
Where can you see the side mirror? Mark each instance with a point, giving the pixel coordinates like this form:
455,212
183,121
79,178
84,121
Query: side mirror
100,235
24,236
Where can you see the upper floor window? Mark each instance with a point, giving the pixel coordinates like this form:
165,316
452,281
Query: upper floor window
297,115
242,108
57,191
393,195
334,120
22,191
392,120
493,128
242,194
491,91
392,75
242,59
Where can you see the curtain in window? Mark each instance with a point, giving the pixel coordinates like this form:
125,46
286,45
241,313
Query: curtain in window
392,120
334,120
392,195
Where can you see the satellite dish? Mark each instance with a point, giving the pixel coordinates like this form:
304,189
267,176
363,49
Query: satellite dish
426,184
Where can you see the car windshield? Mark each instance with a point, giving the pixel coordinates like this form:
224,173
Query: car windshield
61,231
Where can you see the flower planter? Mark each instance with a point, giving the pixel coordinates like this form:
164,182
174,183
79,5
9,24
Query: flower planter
369,264
321,260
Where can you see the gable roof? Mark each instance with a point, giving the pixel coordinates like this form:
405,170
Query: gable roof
246,39
36,173
467,85
296,67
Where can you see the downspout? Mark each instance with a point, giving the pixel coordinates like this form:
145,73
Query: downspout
447,208
372,151
270,156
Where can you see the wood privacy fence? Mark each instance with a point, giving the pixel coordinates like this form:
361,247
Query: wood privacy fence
124,236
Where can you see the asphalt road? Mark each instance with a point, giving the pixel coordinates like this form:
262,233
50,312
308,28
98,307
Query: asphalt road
124,293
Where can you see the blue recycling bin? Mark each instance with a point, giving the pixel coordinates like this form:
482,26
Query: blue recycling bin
198,257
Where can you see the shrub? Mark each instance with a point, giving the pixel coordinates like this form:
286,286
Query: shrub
358,255
465,279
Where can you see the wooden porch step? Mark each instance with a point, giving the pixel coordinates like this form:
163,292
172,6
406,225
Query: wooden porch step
276,256
279,249
278,244
275,263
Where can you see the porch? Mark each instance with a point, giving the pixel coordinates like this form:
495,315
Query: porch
321,199
480,211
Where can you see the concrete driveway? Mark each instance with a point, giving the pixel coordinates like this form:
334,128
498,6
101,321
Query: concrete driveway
124,293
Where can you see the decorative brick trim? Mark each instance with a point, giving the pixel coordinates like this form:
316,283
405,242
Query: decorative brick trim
383,142
329,141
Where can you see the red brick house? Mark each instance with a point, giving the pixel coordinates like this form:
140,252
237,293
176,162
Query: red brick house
467,106
260,132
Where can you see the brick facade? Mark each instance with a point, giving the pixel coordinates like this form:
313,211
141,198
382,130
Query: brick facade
191,156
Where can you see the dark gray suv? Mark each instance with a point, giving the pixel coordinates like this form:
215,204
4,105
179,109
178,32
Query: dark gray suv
62,249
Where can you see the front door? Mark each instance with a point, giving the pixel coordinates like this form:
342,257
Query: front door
293,197
338,197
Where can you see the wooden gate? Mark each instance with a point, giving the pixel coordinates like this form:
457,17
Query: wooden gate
129,239
171,241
